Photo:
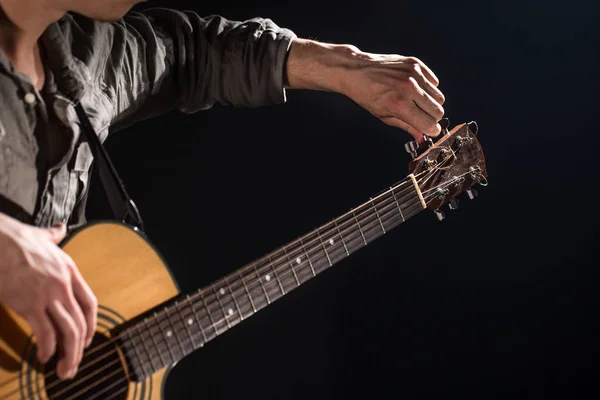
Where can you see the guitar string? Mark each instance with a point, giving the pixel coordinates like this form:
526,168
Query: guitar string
125,388
91,376
221,320
256,262
216,330
209,308
124,379
121,390
177,327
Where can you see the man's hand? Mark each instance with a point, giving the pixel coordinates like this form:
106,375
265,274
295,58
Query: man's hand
40,282
401,91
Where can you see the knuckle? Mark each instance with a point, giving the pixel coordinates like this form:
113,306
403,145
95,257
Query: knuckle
440,113
72,334
61,284
91,304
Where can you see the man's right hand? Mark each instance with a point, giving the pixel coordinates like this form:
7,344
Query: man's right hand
40,282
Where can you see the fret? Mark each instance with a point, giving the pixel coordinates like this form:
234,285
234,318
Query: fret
312,269
341,237
141,362
291,266
186,324
225,314
155,343
354,238
378,216
230,310
173,332
300,263
255,294
162,335
359,228
235,302
210,317
391,217
324,249
198,320
144,346
398,205
259,280
276,275
371,231
335,246
241,277
269,281
206,319
318,256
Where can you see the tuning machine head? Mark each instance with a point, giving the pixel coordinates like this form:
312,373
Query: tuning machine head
439,214
445,124
453,204
412,148
472,193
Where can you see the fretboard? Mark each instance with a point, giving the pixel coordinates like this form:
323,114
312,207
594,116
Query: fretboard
190,321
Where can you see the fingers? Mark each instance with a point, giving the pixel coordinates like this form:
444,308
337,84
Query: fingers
427,72
45,335
398,123
408,111
57,233
70,339
432,90
88,303
427,104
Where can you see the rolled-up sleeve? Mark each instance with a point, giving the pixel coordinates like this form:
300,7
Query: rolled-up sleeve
160,59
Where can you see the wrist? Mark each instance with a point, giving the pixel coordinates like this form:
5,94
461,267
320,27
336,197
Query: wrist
322,66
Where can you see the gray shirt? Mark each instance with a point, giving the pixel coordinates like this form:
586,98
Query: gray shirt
144,65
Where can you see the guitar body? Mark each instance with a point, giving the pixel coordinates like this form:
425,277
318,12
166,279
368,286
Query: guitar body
128,278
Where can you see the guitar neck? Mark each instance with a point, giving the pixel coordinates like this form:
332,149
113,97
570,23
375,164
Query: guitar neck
192,320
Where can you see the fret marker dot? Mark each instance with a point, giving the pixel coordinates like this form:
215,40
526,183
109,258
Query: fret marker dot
268,278
222,291
298,260
230,311
331,242
169,333
190,321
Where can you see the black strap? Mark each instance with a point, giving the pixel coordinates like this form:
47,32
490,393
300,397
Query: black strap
122,205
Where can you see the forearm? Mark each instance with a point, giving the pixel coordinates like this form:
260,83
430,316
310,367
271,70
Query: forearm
321,66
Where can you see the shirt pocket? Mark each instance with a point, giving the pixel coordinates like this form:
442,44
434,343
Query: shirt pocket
18,177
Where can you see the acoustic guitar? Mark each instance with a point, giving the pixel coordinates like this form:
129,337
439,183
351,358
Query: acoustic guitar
145,326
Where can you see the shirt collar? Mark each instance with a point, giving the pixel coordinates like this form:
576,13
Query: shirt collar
67,74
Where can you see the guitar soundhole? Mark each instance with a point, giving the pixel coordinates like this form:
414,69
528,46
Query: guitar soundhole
100,376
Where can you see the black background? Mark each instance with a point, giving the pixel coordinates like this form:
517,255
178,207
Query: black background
497,301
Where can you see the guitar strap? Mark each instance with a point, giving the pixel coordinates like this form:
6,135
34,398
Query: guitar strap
123,207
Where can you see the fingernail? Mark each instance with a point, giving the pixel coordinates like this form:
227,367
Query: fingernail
72,373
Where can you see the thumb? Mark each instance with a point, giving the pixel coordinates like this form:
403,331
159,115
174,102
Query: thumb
57,233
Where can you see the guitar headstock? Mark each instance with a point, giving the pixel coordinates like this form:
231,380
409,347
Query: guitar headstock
450,166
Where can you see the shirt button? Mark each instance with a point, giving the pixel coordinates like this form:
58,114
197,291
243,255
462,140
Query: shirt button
29,98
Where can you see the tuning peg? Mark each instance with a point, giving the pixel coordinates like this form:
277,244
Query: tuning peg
472,193
445,124
411,148
453,205
428,141
473,127
440,215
